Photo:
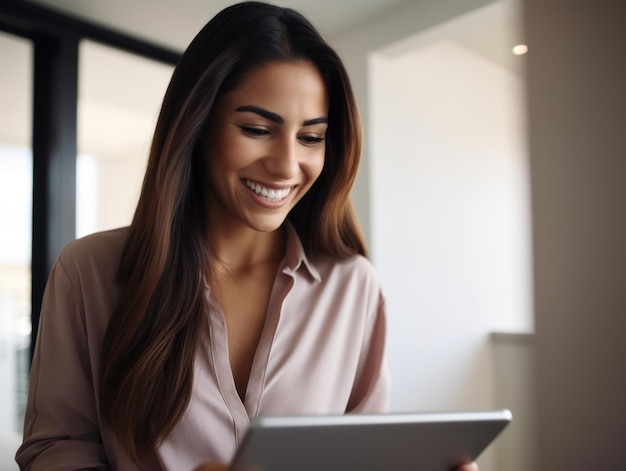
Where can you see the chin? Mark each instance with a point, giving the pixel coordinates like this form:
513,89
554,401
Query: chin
267,226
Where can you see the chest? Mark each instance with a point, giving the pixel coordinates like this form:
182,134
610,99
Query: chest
243,301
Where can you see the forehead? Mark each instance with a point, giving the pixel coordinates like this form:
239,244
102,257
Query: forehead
283,87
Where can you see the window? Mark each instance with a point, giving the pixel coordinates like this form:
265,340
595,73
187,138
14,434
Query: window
119,98
16,188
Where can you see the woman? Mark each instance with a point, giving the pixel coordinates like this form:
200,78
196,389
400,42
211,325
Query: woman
240,288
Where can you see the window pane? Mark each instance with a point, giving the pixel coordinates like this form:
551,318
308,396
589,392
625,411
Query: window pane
119,99
16,188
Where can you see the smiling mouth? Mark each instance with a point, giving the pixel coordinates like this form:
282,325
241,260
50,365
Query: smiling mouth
272,195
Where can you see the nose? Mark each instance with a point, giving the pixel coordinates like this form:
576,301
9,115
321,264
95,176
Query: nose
283,161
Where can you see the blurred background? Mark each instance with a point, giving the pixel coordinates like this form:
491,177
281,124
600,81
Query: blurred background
457,124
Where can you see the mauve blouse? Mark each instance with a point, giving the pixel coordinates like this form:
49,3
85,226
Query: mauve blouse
321,352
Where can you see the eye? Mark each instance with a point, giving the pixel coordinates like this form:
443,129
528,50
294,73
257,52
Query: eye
254,132
310,140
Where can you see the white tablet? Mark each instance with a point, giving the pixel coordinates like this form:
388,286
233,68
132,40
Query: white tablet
420,441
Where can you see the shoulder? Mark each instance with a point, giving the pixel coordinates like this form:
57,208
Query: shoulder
99,252
96,244
359,265
82,288
353,270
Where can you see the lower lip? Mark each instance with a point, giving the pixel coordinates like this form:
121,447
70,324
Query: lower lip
266,203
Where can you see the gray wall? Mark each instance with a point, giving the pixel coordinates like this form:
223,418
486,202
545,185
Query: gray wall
577,79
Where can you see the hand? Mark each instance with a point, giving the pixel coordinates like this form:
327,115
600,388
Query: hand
468,467
213,466
222,467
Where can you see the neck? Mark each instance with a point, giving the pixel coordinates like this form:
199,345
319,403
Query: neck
238,250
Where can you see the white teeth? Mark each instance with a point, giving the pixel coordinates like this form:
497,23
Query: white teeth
268,193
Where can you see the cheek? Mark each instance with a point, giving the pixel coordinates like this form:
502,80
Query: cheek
316,167
312,170
221,158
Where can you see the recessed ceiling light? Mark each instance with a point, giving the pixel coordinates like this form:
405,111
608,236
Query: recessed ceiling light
520,49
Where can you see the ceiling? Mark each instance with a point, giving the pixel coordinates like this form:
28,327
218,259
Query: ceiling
184,18
175,23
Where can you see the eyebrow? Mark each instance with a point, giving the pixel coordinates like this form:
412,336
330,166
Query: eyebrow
276,117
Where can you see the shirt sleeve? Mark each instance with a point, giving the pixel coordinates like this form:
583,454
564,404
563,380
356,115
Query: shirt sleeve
61,427
370,393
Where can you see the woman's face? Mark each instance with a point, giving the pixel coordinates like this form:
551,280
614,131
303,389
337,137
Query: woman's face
265,145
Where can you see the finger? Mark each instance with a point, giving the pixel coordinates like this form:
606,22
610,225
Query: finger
468,467
213,466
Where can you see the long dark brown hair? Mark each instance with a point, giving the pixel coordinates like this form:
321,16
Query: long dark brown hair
150,344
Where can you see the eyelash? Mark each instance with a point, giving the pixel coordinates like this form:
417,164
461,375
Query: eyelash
311,140
254,132
259,132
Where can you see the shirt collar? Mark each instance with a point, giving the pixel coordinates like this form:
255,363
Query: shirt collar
295,257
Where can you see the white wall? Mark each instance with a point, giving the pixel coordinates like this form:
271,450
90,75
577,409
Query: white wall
355,47
450,222
447,208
